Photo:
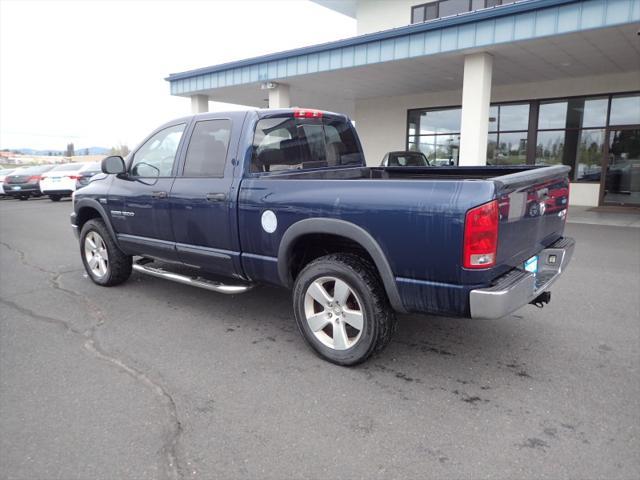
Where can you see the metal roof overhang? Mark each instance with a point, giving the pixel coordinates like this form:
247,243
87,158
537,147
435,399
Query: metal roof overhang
531,40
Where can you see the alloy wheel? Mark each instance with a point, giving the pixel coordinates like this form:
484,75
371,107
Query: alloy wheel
334,313
96,255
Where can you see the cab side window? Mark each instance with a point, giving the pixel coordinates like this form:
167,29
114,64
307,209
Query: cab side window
207,152
155,158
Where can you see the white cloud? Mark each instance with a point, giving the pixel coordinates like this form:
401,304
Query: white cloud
92,72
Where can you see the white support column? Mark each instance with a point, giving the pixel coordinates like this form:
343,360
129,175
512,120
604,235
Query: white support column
476,98
199,103
279,96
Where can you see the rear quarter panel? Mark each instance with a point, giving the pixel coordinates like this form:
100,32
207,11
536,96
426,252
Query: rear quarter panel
417,223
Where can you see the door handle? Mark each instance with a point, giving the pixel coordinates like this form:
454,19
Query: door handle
159,195
216,197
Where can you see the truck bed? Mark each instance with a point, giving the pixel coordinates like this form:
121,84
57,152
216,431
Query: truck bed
417,216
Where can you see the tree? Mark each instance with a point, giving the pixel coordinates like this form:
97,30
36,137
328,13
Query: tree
86,151
121,150
70,151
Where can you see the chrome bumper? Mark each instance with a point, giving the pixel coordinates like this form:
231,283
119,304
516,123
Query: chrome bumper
519,287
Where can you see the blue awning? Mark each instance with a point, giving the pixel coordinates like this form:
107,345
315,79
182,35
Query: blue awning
521,21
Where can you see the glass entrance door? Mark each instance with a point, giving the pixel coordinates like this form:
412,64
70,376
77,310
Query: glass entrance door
622,177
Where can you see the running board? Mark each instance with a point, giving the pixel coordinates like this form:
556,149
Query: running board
143,267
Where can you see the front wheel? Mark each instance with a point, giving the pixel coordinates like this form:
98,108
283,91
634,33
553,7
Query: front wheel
342,309
105,263
55,198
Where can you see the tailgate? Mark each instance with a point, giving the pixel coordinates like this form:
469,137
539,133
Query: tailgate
532,211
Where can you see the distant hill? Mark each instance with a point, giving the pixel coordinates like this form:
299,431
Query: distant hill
78,151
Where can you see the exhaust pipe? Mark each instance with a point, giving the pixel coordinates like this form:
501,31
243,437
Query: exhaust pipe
143,267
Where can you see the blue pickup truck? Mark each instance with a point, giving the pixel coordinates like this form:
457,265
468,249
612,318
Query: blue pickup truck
225,201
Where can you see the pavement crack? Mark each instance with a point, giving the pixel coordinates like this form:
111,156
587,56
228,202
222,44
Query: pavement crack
170,447
91,344
42,318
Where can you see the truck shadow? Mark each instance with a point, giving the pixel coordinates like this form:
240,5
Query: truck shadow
423,346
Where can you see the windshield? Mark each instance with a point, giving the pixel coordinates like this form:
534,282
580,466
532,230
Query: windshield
36,169
407,159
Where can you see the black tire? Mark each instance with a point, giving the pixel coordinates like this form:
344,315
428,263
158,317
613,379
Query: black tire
55,198
119,264
23,197
379,320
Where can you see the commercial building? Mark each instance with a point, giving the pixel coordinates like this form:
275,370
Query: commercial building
468,82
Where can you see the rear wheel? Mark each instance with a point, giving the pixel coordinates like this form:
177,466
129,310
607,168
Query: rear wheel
55,198
24,197
105,263
342,309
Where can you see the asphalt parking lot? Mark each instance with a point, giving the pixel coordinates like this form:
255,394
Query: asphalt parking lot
157,380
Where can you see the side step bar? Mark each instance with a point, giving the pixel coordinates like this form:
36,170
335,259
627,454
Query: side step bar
143,266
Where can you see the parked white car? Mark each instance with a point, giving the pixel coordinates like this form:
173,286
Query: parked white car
61,180
3,174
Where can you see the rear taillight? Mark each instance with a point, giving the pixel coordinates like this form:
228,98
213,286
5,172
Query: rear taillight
307,114
74,177
33,179
481,236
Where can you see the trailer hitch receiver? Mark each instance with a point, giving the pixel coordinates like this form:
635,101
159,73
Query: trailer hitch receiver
541,300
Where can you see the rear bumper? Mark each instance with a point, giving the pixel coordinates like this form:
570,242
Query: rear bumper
57,192
519,287
25,189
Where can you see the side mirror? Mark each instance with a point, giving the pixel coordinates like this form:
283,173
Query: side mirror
113,165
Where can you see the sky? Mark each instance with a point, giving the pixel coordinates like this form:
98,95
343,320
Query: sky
92,72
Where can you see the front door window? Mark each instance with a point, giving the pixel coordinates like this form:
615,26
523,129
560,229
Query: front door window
622,181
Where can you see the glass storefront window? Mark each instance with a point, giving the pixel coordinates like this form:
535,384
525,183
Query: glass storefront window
552,115
439,149
589,155
625,110
573,113
514,117
570,131
493,118
447,150
511,149
595,113
492,145
440,121
550,147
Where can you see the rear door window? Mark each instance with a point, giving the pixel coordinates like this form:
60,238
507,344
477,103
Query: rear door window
207,152
288,143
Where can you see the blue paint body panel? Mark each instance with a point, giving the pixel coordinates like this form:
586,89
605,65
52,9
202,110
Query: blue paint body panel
409,220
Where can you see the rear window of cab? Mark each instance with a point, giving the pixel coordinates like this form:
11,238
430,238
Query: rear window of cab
294,142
